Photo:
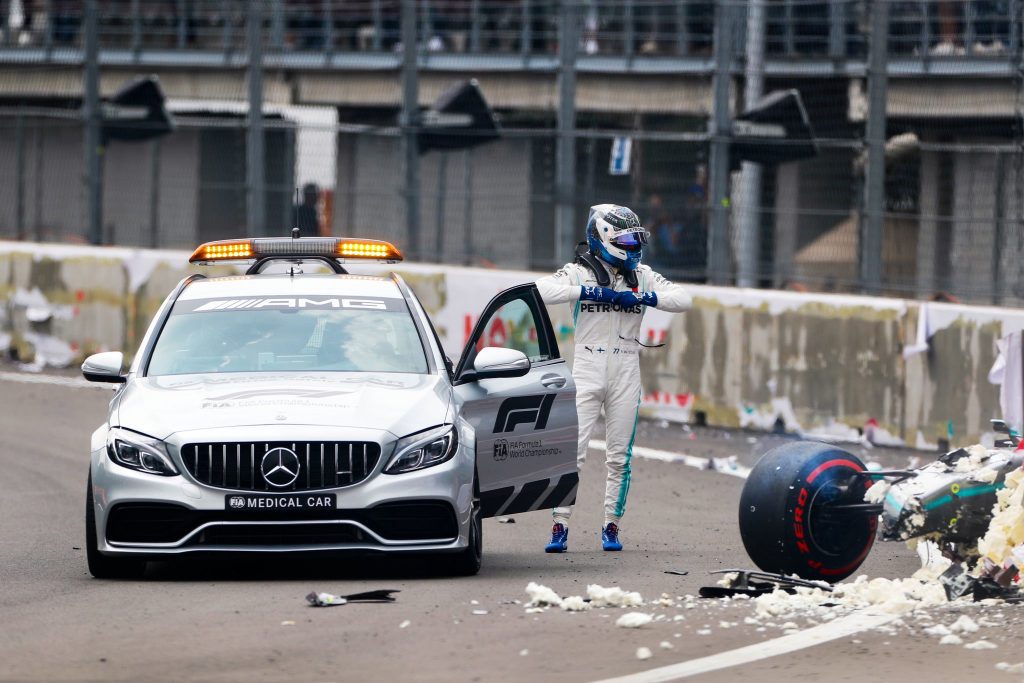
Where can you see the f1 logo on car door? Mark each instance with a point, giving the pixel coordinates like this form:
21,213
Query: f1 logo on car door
524,422
518,410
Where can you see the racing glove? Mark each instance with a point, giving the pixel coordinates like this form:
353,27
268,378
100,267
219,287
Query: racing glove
604,294
627,299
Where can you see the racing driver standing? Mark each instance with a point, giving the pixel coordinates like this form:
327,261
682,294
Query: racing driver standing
608,288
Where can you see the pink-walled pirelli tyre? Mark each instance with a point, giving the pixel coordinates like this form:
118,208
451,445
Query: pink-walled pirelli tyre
788,518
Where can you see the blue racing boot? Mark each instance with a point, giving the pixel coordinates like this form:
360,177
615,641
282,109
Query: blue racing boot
610,537
559,539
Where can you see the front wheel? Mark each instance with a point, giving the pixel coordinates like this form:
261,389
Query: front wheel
103,566
791,513
468,562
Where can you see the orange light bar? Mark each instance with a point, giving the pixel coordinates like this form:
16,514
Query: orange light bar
368,249
295,248
225,250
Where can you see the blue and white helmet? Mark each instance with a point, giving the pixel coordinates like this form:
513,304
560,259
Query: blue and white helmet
614,235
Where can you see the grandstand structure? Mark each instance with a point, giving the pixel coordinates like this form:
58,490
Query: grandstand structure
566,79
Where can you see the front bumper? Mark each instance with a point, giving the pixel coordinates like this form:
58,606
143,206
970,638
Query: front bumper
146,515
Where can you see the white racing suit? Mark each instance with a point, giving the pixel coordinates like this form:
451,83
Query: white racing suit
606,367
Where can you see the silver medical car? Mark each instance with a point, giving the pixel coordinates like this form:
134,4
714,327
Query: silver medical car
317,411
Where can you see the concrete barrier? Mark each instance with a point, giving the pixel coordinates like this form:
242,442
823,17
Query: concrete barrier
823,364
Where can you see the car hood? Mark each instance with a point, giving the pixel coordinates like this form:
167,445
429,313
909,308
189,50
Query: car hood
398,403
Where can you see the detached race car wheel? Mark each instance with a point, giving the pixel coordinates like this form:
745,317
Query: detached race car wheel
101,566
791,516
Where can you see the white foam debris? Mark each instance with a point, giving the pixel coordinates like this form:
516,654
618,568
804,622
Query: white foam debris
938,630
980,645
644,653
876,493
665,601
524,652
1006,530
704,632
405,624
728,579
542,595
976,455
951,639
678,617
474,602
575,603
789,624
612,597
665,645
893,596
480,612
986,475
964,625
534,610
1017,668
634,620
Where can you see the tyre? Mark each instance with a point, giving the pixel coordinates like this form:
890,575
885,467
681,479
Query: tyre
468,562
102,566
788,518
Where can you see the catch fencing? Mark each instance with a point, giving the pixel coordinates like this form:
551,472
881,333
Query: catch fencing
914,185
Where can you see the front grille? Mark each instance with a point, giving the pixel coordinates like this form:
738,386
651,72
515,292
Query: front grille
168,523
291,534
322,464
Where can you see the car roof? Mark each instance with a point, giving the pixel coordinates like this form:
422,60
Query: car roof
283,284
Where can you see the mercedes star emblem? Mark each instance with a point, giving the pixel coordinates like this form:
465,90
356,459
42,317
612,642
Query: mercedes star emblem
280,467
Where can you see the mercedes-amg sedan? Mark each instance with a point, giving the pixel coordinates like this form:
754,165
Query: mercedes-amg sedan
317,411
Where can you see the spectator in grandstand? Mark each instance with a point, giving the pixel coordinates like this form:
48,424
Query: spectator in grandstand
665,234
307,215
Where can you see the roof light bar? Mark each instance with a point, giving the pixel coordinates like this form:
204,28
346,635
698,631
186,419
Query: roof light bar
341,248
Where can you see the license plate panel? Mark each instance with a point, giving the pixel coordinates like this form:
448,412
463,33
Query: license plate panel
284,504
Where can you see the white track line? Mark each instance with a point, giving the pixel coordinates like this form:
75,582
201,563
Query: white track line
713,464
76,382
837,628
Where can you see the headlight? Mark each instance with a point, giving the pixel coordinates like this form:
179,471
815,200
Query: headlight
423,449
139,452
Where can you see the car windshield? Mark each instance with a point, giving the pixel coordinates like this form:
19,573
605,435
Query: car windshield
316,333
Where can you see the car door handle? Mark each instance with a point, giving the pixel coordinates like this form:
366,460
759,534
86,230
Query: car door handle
556,381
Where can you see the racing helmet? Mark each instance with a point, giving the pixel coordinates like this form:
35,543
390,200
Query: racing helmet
614,235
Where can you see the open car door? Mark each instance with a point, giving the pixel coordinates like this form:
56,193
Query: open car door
525,425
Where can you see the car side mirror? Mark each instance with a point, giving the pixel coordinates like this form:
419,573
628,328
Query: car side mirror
104,367
493,361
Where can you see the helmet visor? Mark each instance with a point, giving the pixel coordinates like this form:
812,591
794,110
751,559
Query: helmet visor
630,241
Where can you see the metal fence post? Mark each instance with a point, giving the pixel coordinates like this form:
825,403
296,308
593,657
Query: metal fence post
254,167
19,164
836,29
874,177
409,124
377,42
182,23
276,25
565,155
91,116
136,29
718,269
749,229
154,193
525,29
474,28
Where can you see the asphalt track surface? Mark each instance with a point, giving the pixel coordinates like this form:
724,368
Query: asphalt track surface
245,619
